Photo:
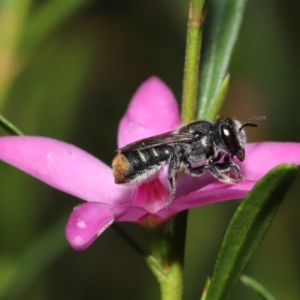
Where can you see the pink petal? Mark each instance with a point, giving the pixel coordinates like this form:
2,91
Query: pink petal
152,110
87,222
187,184
128,213
262,157
137,215
64,167
213,193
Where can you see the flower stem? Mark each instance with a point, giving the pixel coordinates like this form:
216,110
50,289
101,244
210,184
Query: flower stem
165,263
192,56
169,278
189,100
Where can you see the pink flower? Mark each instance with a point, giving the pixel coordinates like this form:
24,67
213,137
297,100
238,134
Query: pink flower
153,110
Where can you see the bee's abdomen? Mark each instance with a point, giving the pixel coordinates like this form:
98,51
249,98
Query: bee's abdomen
138,165
121,168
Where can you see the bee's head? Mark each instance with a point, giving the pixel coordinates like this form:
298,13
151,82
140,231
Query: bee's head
230,135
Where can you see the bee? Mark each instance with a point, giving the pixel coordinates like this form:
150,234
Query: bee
198,146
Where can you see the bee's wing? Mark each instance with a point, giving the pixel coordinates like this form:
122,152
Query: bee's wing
162,139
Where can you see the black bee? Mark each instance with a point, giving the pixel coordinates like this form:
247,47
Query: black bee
198,146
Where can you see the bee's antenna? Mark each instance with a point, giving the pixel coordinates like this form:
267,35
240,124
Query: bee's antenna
248,122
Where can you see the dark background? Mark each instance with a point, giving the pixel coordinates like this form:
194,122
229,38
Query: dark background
76,85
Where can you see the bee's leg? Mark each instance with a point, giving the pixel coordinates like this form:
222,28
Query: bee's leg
174,165
216,158
197,171
172,184
226,166
217,170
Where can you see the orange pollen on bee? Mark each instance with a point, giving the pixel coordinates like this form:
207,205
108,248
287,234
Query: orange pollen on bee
120,166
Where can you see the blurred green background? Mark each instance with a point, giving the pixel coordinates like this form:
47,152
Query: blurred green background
68,70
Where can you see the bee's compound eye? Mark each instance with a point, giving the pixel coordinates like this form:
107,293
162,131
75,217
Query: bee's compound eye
229,138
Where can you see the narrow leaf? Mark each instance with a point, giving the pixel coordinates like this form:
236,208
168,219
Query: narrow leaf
247,228
204,293
218,100
221,29
9,127
257,287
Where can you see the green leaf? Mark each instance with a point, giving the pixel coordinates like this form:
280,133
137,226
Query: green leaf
204,293
219,99
221,30
247,228
257,287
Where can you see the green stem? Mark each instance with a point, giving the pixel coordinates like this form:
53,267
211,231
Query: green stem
171,283
169,278
9,127
165,264
193,46
190,88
